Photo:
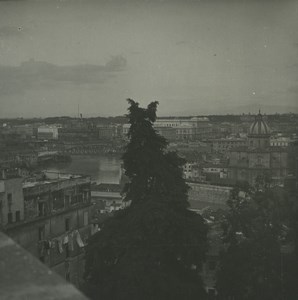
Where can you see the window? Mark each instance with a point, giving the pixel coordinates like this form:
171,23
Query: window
74,199
41,209
85,218
58,201
85,196
211,292
67,224
260,160
9,201
66,250
67,200
212,265
9,218
41,233
18,216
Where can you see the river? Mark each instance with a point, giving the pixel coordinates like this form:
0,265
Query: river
101,168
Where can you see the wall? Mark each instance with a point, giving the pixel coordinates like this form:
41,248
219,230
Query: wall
251,164
22,276
207,195
52,235
224,145
47,132
27,235
14,188
259,160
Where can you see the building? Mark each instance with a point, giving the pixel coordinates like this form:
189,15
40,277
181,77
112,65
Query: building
183,129
176,122
195,128
49,217
23,276
109,131
107,197
258,158
280,141
77,133
186,132
11,198
25,131
213,171
191,171
168,132
224,145
203,195
125,130
46,132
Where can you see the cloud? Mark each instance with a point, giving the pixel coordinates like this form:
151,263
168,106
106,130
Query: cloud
11,31
35,74
293,89
181,42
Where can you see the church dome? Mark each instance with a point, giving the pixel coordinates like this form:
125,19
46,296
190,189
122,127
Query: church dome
259,126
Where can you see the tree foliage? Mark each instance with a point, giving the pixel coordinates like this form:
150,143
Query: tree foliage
154,248
256,229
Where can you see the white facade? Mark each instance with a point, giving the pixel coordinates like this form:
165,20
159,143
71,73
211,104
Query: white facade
190,171
125,129
185,129
177,122
47,132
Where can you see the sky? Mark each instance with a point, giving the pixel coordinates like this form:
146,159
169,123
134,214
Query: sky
194,57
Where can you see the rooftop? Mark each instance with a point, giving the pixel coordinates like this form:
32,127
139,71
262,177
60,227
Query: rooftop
107,187
213,165
52,177
258,150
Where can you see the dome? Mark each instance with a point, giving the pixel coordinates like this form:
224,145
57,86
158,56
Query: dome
259,126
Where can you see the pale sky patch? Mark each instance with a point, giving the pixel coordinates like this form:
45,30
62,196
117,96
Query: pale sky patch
194,57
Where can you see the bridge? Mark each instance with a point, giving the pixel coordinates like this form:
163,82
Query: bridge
92,149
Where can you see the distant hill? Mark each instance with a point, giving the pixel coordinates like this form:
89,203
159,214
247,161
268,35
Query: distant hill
231,118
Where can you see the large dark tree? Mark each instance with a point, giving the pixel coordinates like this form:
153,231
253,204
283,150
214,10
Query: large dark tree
290,262
153,249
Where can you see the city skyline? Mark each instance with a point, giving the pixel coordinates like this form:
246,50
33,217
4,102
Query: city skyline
194,57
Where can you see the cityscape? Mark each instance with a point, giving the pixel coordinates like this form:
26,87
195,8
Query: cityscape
61,178
148,150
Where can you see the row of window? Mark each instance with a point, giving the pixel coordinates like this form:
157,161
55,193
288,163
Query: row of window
67,224
279,144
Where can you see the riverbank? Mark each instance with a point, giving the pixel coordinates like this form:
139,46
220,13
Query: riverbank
101,168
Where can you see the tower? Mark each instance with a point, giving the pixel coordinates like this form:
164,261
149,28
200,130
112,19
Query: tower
259,133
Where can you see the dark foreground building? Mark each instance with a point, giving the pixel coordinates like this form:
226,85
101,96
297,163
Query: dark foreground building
50,218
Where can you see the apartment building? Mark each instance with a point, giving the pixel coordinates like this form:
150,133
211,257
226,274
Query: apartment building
50,217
